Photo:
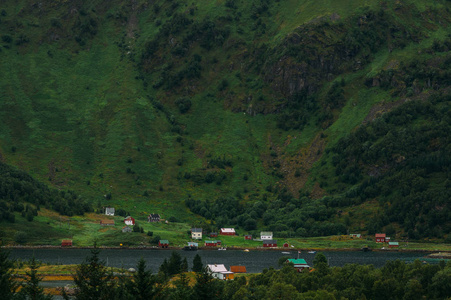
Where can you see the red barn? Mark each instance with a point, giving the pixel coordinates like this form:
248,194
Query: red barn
270,243
380,237
66,243
286,245
227,231
248,237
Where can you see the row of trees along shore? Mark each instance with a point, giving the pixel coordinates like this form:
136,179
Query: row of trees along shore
93,280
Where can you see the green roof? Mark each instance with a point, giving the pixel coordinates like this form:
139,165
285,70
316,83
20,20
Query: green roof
298,261
164,242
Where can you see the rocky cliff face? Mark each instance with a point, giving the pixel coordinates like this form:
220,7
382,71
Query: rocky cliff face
322,50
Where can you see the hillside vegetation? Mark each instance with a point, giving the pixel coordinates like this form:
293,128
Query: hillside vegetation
302,117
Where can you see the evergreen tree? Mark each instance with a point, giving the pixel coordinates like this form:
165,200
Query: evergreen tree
92,279
175,263
197,263
8,286
184,266
204,287
182,291
143,286
164,269
31,289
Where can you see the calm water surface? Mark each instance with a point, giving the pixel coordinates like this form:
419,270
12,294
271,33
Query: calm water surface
255,261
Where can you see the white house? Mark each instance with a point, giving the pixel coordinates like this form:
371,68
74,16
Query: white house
220,272
109,211
266,235
196,233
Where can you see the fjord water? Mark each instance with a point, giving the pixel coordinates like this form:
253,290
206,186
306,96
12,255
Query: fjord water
254,261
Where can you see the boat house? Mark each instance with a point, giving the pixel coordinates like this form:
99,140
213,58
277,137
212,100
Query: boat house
163,243
211,243
66,243
299,264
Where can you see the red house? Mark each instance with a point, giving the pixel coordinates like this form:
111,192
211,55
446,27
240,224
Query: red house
248,237
227,231
380,237
129,221
286,245
66,243
163,243
211,243
270,243
213,234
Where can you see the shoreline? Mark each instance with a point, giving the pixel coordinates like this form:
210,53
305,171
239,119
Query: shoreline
434,253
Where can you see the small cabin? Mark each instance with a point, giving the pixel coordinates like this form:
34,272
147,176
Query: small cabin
380,237
248,237
107,222
196,233
66,243
355,235
238,269
126,229
285,245
270,243
163,243
266,235
227,231
213,234
109,211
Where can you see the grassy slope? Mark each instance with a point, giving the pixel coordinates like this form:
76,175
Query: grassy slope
78,114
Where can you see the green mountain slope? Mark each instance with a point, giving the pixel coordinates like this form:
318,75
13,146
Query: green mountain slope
261,114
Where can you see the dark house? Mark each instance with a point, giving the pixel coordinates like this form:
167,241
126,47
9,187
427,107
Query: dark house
213,234
153,218
270,243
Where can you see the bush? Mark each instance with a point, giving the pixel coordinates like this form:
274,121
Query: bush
155,240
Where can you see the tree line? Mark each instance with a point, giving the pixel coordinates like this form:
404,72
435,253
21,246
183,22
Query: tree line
92,280
19,192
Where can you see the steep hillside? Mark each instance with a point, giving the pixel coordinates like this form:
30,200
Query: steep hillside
304,117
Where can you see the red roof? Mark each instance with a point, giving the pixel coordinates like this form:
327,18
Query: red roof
380,235
238,269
